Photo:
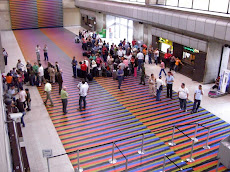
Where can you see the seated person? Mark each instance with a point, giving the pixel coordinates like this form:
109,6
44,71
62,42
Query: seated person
217,82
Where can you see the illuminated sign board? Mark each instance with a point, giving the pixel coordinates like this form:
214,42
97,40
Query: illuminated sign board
191,49
166,41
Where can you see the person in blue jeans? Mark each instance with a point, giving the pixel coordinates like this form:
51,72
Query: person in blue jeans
162,68
159,83
74,66
120,75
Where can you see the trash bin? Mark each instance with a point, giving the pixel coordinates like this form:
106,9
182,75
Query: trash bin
224,152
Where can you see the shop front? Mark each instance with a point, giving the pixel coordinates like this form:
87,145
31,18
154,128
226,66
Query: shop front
88,20
193,60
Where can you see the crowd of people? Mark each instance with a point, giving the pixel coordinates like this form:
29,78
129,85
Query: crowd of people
101,59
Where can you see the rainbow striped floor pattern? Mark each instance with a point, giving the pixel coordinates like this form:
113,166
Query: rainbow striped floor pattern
113,115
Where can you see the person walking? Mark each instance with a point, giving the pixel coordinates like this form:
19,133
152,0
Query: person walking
22,96
5,55
169,83
140,57
21,109
64,99
59,80
159,83
197,99
156,56
120,76
84,89
28,99
152,81
45,50
142,74
183,97
40,74
74,66
47,90
162,68
38,48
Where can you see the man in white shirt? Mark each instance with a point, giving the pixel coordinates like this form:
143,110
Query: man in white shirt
120,52
22,96
19,65
5,55
183,97
38,48
159,83
83,91
140,57
47,90
40,74
197,99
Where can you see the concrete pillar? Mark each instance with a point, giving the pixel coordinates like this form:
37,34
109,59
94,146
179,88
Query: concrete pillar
100,22
138,31
225,58
212,62
71,14
5,22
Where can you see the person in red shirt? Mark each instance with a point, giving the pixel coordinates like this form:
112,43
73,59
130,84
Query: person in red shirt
104,53
84,70
133,42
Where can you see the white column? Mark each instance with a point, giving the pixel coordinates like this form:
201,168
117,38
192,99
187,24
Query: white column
225,58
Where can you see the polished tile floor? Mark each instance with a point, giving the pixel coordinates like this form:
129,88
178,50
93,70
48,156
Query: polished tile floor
40,133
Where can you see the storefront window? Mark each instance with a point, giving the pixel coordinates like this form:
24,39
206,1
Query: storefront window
165,45
189,55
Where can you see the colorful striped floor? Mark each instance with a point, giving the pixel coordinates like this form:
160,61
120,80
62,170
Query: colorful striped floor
112,115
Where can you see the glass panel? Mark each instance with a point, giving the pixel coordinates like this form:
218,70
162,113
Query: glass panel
200,4
117,28
172,2
130,31
143,1
185,3
219,5
123,28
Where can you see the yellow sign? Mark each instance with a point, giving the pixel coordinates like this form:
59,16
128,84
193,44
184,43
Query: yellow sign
165,41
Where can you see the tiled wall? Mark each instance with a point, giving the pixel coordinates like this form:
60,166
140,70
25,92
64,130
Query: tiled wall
203,26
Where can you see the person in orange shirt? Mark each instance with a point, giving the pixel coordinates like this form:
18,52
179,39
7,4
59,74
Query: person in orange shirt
9,80
177,63
144,51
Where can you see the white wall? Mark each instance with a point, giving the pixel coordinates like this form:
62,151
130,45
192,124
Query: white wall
5,154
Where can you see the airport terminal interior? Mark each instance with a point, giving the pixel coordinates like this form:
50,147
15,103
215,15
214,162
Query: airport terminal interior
115,85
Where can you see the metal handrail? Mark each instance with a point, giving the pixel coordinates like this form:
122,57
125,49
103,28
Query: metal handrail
97,145
165,156
126,164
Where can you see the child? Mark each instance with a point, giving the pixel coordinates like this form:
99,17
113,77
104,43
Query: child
28,99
